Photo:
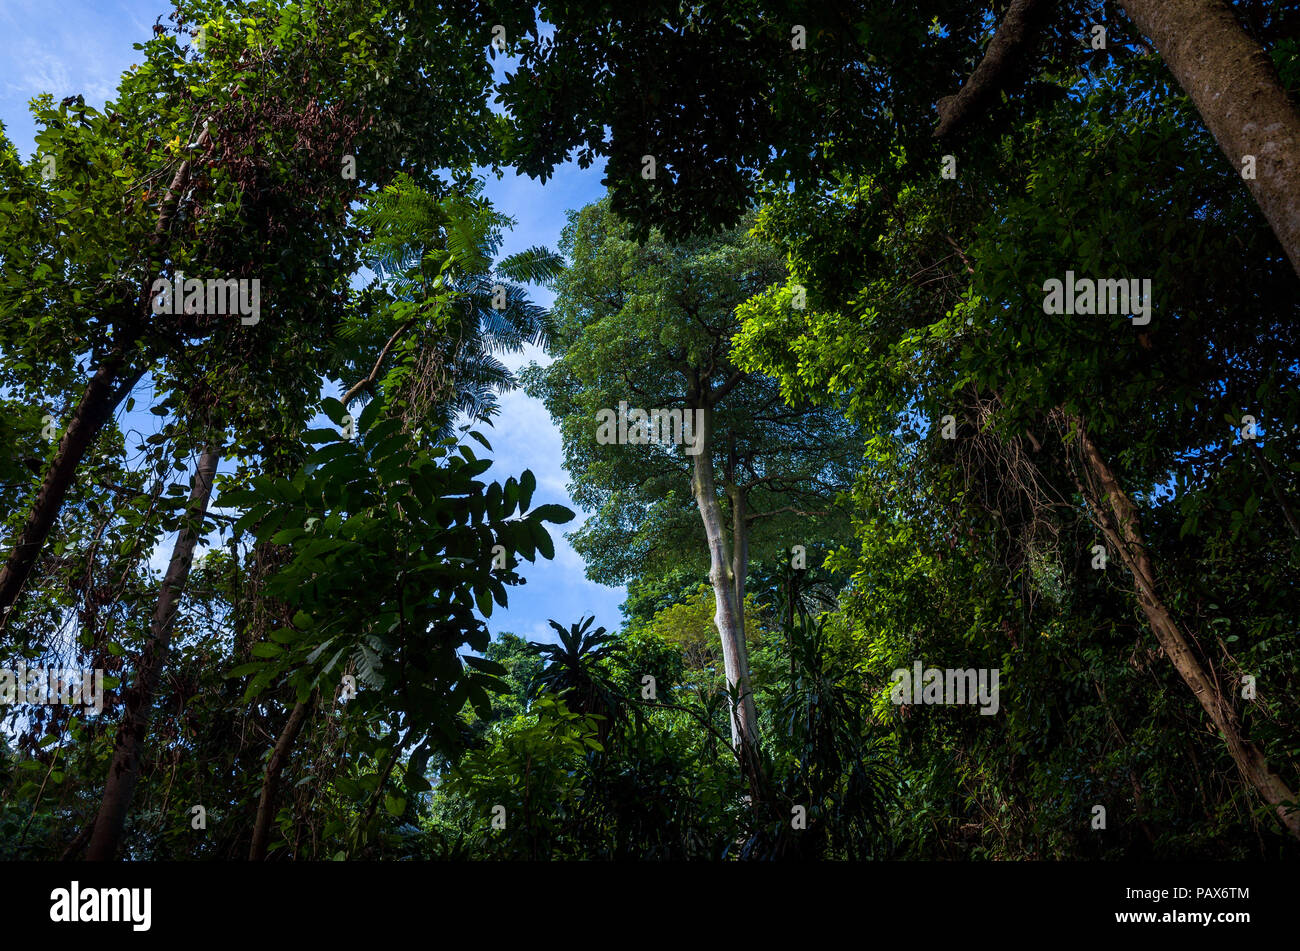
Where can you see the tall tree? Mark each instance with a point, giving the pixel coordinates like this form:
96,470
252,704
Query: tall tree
643,331
236,155
263,198
953,280
124,770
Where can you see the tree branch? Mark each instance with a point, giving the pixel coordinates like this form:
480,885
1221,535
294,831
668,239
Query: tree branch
1013,35
351,394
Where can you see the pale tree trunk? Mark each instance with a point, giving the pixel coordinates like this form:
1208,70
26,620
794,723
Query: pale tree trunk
1242,102
739,566
1120,523
124,770
744,718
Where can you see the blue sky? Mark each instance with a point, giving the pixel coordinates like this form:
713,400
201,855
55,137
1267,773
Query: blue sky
82,46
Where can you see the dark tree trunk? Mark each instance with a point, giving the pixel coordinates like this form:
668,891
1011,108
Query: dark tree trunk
124,771
1004,53
271,781
103,393
1120,523
106,389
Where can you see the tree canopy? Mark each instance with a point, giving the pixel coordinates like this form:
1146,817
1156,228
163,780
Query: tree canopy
929,374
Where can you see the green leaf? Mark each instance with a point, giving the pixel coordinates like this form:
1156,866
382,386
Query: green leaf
321,436
545,546
485,665
557,514
334,409
370,414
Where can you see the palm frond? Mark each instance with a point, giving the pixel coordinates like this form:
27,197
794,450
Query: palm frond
536,265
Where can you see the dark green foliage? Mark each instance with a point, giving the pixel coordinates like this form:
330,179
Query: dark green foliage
899,429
